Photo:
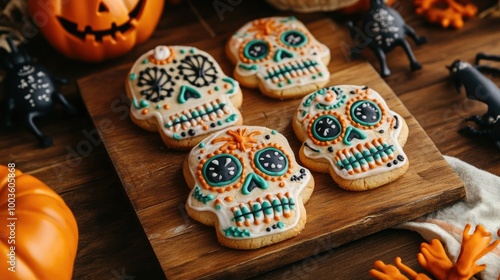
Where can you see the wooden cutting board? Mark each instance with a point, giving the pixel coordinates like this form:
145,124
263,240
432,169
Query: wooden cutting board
152,175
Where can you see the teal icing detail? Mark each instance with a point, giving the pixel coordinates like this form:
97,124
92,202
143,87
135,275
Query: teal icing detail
231,82
144,61
237,173
266,206
280,54
361,158
340,98
349,131
361,121
191,50
274,132
231,118
187,93
247,67
176,136
140,105
302,42
280,84
257,208
182,51
315,127
290,18
132,76
202,197
253,181
268,170
277,205
216,88
218,207
219,122
291,203
201,145
280,225
252,43
236,232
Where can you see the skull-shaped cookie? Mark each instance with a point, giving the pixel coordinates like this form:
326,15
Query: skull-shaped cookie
182,93
350,132
246,183
279,56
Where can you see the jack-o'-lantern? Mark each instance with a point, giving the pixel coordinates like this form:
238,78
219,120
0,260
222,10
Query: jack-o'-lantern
95,30
41,237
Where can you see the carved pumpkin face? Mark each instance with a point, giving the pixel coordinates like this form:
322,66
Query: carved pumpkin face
95,30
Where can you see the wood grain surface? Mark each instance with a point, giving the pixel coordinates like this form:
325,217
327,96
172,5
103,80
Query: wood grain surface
112,242
152,176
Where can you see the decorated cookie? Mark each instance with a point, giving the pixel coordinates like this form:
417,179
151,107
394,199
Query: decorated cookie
350,132
246,183
280,57
182,93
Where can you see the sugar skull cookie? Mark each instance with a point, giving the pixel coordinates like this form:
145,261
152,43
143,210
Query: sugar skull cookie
246,183
279,56
350,132
182,93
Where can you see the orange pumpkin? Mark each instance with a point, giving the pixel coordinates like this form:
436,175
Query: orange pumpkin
95,30
45,233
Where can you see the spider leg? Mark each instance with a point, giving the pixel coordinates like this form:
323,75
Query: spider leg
65,104
481,121
414,64
7,112
45,141
419,40
379,53
472,132
484,56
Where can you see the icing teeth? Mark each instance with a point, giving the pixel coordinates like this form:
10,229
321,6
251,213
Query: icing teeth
292,69
212,111
264,210
365,156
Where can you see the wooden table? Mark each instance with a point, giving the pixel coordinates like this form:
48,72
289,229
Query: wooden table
112,242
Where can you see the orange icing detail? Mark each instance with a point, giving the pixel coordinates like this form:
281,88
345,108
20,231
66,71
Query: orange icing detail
228,198
257,222
327,143
247,223
262,174
238,139
205,127
360,97
166,106
306,33
287,215
226,86
144,111
267,220
202,151
203,182
277,218
241,52
169,59
210,91
264,27
282,184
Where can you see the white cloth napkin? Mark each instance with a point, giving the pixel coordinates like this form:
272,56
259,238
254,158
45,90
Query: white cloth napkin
481,206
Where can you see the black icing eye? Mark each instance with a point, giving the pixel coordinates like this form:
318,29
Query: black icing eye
293,38
366,112
256,49
271,161
326,128
221,170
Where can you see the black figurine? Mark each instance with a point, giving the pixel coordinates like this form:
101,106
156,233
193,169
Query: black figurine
382,29
478,87
29,89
